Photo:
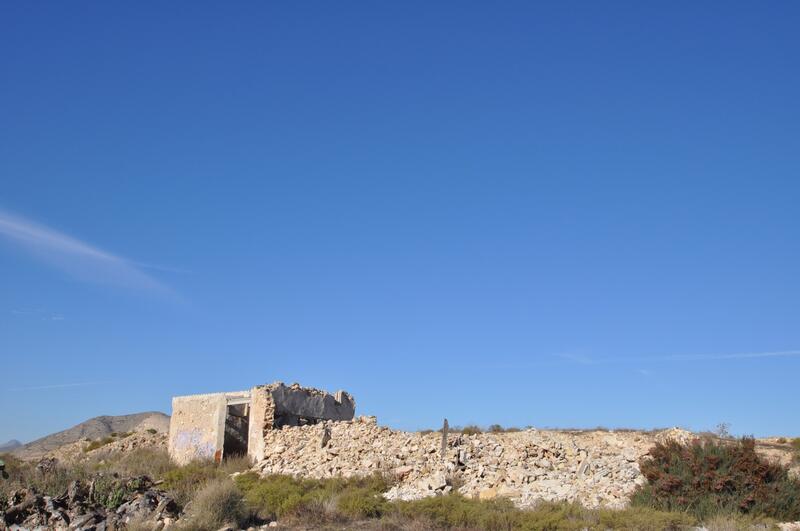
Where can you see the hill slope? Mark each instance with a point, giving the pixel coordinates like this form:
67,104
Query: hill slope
94,428
10,445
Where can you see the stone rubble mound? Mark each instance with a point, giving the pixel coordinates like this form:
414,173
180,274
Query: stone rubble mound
82,508
596,469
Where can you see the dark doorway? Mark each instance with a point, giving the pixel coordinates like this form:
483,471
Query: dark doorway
237,424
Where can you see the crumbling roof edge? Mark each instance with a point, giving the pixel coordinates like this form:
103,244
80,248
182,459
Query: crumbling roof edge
227,394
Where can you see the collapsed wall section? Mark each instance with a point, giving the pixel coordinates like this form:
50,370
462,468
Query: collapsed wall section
594,469
277,405
296,406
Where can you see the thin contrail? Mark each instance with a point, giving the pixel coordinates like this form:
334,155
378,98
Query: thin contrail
53,386
77,257
586,360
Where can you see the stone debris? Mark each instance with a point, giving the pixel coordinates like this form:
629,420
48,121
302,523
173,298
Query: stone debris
596,469
81,507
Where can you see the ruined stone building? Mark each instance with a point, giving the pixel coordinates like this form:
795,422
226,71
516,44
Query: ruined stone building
218,425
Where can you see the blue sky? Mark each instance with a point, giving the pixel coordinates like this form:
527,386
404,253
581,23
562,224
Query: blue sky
549,214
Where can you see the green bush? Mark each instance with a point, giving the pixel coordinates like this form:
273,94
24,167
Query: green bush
277,496
706,478
456,511
643,519
361,503
99,443
471,430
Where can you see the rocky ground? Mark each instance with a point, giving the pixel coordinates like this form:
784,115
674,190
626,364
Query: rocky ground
97,505
594,468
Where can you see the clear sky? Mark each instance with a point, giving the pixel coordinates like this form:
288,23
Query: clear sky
553,214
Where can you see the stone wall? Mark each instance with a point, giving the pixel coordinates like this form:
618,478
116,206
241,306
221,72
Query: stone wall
295,405
197,425
595,468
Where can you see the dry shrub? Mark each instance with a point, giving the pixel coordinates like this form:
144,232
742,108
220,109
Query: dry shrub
217,503
154,463
737,522
140,523
471,430
707,478
52,482
184,482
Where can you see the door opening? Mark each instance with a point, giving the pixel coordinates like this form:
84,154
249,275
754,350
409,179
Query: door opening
237,424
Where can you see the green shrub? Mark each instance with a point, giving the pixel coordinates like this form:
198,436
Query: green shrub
112,491
456,511
361,503
99,443
151,431
277,496
643,519
706,478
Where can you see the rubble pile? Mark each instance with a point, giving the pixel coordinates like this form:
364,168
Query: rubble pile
97,505
596,469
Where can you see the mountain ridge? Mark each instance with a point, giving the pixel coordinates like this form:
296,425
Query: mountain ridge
93,428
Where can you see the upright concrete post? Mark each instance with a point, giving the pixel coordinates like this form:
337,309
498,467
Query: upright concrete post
445,429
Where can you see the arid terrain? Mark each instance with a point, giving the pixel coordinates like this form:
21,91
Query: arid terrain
580,477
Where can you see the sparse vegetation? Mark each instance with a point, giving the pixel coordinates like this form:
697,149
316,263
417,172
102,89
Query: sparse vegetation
216,503
471,430
99,443
722,484
321,500
710,477
723,430
184,482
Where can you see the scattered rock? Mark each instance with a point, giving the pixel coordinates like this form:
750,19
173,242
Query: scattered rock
596,469
80,508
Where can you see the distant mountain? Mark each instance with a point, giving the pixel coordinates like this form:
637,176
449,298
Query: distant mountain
10,445
95,428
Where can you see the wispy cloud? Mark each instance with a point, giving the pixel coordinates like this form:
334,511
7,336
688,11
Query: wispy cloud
38,314
77,257
585,360
53,386
576,358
